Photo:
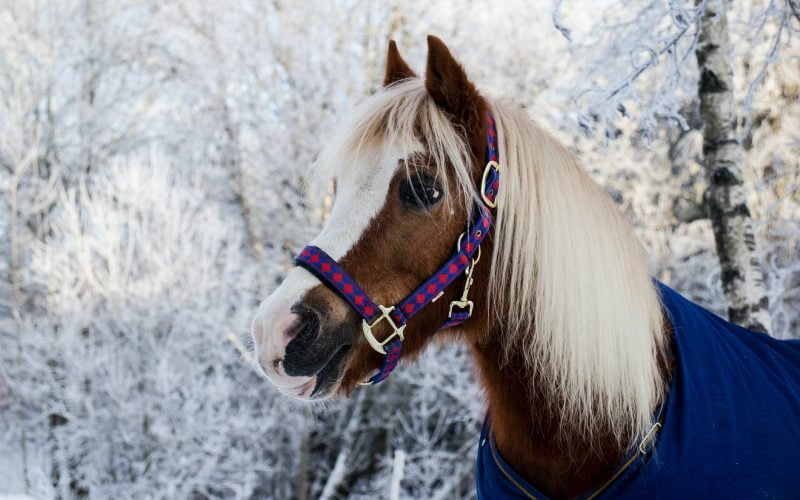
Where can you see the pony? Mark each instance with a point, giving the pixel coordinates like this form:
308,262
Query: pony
598,379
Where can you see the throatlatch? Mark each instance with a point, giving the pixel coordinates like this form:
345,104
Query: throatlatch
463,261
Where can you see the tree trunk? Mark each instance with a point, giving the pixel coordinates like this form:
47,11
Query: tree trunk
742,276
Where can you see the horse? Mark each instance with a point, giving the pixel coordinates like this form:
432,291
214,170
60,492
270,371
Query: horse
456,212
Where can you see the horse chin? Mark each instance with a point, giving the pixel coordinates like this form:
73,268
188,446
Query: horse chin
325,384
311,391
300,392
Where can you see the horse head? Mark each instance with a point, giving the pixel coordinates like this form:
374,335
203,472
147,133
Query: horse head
407,169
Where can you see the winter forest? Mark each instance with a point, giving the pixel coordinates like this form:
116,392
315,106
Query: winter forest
152,192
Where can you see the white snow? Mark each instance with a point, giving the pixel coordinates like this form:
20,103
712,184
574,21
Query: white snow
151,159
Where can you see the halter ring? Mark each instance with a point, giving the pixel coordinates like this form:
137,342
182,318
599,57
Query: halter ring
489,166
458,249
367,329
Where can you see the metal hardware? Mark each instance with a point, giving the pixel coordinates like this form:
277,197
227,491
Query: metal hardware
489,166
649,437
458,249
464,302
366,328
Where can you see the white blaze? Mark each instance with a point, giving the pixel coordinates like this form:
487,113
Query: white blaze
361,193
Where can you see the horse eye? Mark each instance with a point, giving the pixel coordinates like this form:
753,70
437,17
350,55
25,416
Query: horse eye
420,190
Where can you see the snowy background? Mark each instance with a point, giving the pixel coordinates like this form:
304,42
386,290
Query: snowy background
152,156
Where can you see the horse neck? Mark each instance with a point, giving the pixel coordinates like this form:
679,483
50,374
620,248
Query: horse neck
561,457
529,432
601,277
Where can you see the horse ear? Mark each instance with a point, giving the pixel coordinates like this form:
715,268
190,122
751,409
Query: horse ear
447,82
448,85
396,67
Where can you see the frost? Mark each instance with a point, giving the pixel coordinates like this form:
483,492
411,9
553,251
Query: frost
152,192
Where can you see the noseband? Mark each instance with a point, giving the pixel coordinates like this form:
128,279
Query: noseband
463,261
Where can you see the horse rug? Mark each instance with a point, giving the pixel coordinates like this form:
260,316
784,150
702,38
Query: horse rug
730,423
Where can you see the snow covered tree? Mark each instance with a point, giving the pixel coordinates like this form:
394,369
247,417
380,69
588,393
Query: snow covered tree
655,78
152,191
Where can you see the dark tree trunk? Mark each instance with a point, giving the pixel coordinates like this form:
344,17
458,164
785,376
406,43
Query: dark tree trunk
742,276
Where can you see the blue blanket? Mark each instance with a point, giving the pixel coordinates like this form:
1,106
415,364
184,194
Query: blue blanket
731,422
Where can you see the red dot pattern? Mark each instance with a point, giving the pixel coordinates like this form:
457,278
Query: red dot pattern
329,272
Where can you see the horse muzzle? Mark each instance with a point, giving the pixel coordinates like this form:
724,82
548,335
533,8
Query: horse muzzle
301,355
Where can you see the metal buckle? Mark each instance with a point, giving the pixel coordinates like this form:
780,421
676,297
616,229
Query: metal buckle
464,302
496,166
367,329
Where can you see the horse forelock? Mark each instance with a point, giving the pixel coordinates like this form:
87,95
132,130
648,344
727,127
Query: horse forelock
404,118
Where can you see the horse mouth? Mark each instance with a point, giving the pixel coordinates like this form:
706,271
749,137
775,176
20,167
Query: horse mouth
328,377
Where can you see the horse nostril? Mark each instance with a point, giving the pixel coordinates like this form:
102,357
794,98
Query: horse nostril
306,324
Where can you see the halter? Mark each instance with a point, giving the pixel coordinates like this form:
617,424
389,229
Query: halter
463,261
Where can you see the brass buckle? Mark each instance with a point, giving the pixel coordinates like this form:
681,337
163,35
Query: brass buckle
489,203
367,329
464,302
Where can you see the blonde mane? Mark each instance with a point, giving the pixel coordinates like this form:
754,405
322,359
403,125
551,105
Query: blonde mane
570,283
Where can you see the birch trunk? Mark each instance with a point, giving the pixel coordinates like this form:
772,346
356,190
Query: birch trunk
742,276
